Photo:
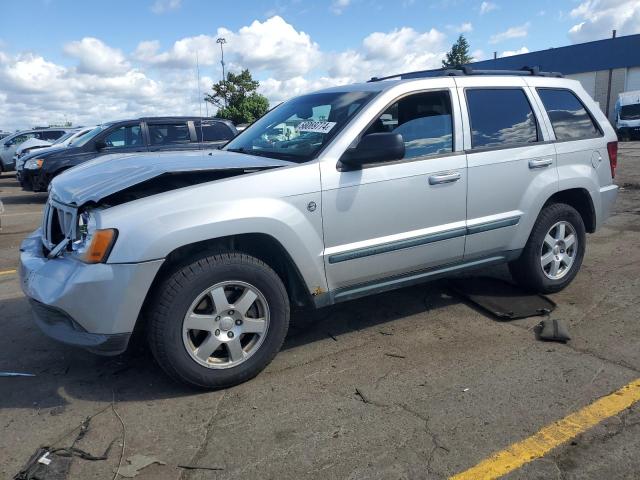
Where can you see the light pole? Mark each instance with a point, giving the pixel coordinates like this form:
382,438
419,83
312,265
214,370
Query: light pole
222,41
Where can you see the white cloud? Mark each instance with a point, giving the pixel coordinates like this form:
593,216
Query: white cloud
486,7
37,92
181,55
511,53
338,6
102,83
162,6
465,27
478,55
94,56
512,32
273,44
597,18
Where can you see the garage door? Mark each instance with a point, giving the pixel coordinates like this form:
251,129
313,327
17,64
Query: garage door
633,79
588,81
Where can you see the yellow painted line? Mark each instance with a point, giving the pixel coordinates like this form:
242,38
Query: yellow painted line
553,435
8,272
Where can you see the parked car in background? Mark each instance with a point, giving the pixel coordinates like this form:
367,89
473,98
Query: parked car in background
628,115
63,142
30,144
10,144
152,134
382,185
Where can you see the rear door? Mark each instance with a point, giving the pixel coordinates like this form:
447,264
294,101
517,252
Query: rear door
170,135
511,161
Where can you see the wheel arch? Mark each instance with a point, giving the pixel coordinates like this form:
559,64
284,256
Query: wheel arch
580,199
259,245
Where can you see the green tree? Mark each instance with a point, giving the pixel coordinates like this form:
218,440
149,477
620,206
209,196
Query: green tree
237,98
459,54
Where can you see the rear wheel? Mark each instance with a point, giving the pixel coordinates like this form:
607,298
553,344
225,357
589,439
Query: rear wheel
554,252
218,321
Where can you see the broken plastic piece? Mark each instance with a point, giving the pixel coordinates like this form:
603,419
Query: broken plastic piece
552,331
136,463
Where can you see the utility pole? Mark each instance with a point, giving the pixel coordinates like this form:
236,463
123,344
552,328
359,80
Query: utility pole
222,41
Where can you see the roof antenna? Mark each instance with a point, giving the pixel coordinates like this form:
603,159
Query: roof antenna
200,100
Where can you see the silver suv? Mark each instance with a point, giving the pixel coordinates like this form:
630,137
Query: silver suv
331,196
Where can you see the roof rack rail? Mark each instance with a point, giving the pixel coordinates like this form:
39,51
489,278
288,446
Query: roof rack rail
466,70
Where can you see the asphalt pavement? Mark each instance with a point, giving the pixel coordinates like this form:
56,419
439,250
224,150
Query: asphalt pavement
411,384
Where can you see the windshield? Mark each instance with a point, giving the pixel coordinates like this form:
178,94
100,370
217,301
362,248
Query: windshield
82,139
298,129
630,112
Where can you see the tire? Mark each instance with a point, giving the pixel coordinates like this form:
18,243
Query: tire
528,270
195,290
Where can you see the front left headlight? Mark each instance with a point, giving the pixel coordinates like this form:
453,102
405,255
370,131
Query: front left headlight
92,244
34,164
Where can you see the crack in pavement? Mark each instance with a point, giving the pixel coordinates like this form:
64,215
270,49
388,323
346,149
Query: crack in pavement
434,438
205,441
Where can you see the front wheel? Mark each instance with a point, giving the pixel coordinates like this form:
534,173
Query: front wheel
218,321
554,252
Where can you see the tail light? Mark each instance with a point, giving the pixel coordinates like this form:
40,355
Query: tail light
612,148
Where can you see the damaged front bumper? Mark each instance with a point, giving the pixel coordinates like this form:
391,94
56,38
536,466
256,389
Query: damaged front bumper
91,306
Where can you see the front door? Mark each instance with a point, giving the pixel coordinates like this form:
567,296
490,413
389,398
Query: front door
391,220
124,139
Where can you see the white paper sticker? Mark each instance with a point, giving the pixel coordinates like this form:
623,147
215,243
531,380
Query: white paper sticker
317,127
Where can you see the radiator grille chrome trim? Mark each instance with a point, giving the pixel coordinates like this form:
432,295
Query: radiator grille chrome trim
59,224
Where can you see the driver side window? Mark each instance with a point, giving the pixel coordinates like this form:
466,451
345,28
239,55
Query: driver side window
125,136
423,119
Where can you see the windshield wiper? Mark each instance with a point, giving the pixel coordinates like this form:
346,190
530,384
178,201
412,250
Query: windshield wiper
238,150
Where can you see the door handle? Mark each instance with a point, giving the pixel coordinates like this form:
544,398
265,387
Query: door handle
448,177
540,162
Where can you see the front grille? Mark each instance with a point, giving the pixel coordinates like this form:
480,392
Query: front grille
59,222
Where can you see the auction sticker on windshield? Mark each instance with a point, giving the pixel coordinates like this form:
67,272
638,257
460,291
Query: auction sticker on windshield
316,127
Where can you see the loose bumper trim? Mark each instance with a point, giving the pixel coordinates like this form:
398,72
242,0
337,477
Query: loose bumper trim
59,326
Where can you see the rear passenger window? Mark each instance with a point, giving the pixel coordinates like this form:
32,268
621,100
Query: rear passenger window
52,134
212,131
169,133
501,117
424,121
569,117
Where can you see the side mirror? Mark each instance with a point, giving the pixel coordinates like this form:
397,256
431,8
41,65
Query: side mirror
100,144
373,148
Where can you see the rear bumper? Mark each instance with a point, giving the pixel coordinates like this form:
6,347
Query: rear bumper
91,306
608,197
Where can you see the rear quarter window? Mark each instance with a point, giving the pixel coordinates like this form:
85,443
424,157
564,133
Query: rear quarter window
569,117
213,132
500,117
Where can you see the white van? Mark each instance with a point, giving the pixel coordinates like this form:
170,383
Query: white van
628,115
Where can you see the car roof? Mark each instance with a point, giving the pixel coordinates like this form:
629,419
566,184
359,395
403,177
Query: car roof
382,85
165,119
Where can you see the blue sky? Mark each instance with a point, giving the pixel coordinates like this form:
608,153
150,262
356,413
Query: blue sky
95,60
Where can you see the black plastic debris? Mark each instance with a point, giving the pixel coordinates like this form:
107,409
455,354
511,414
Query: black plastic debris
49,463
503,300
552,331
44,466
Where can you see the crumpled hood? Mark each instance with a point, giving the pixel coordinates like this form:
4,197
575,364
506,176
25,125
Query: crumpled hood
32,142
96,179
